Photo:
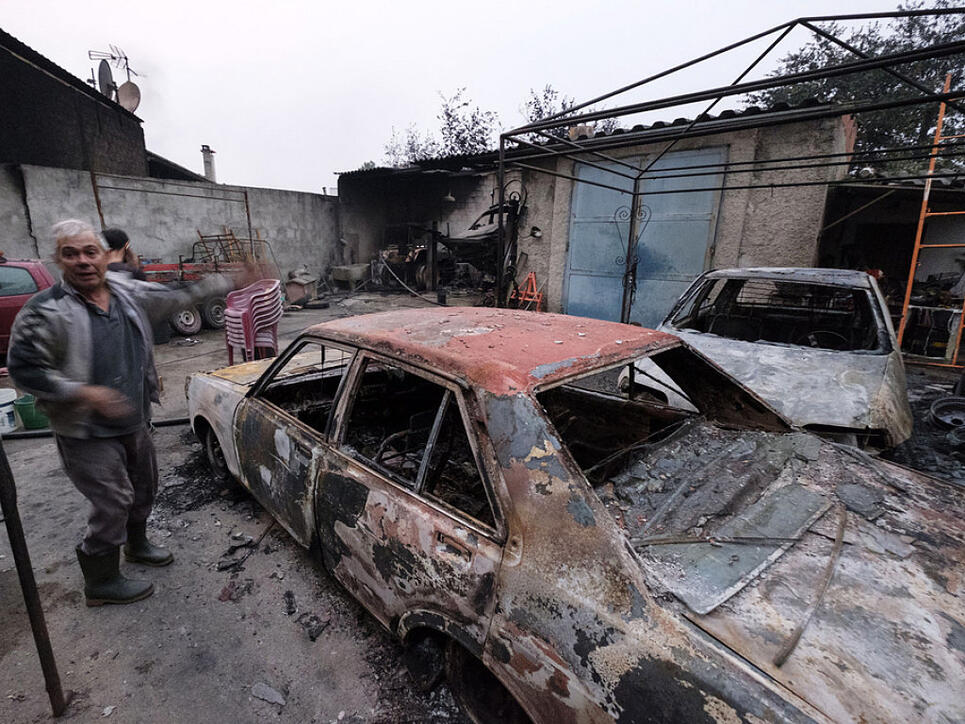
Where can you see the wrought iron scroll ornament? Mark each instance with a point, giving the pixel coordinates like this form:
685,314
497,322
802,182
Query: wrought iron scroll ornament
621,219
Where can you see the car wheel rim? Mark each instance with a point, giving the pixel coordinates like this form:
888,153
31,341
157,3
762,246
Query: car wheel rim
217,313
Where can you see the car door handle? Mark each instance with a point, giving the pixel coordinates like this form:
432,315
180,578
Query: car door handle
447,545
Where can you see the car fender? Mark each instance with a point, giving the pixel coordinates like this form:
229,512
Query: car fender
216,401
436,621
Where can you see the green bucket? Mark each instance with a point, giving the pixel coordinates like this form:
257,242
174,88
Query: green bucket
30,416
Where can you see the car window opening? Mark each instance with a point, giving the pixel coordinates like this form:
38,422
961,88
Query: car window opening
600,425
412,430
783,312
452,475
307,384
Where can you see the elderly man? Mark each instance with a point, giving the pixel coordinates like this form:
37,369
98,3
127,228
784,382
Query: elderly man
84,348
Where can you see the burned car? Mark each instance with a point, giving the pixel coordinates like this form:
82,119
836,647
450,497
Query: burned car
817,344
564,553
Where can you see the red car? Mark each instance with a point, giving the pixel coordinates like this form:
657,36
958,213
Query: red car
20,279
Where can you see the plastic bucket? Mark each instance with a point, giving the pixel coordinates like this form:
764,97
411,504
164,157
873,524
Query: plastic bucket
30,416
8,421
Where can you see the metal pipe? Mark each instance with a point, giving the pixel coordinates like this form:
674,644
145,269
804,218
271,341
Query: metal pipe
795,184
728,165
712,128
572,157
661,74
717,100
883,15
501,233
568,142
630,264
47,432
908,56
659,174
31,597
891,71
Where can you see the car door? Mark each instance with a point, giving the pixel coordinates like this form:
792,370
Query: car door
406,514
281,427
17,285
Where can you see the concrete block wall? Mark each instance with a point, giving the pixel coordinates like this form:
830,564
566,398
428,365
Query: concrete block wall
162,217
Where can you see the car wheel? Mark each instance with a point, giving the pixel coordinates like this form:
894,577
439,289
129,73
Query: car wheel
480,694
187,321
214,455
212,313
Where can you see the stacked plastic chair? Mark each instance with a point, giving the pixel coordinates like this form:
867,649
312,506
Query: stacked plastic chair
251,320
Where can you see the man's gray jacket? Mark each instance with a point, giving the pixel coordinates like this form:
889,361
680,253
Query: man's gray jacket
51,350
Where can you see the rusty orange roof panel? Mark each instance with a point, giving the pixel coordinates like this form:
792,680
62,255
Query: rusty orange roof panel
499,350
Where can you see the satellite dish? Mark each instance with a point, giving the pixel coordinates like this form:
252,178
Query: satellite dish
129,96
105,79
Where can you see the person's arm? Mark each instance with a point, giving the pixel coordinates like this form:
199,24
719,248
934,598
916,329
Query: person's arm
160,302
32,357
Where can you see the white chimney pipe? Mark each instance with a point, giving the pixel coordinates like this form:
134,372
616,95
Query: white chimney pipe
208,156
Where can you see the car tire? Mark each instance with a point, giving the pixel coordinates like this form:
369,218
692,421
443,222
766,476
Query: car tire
212,313
214,455
187,321
478,692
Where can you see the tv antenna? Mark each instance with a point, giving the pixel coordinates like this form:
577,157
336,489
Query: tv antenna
127,95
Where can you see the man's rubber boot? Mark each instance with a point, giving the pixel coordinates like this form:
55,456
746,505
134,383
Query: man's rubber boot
139,549
103,582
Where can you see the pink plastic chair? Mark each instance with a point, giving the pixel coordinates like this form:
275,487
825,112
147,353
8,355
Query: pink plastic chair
251,320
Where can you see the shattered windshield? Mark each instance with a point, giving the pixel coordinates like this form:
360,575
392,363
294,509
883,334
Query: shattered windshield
709,505
784,312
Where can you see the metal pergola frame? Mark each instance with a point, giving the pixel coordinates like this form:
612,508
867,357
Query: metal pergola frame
519,147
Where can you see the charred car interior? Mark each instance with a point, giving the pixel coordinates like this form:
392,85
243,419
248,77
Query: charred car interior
784,312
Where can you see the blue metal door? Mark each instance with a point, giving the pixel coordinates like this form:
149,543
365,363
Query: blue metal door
675,235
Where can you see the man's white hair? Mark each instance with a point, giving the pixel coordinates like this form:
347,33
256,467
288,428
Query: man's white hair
71,228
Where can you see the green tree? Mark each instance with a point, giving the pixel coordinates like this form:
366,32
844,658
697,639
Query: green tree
893,128
464,128
548,102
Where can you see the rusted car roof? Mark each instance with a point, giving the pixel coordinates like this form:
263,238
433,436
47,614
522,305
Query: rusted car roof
499,350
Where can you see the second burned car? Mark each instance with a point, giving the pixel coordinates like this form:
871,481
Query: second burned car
566,554
816,344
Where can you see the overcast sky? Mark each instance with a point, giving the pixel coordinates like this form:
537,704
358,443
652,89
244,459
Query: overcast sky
288,93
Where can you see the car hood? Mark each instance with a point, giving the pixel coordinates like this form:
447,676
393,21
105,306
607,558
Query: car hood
735,530
246,373
816,386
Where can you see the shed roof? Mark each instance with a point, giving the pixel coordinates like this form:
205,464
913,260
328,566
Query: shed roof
638,134
502,351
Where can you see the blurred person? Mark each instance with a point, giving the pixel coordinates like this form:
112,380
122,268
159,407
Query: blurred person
84,349
120,256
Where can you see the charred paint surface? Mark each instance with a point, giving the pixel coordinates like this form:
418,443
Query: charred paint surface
278,467
497,350
341,500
